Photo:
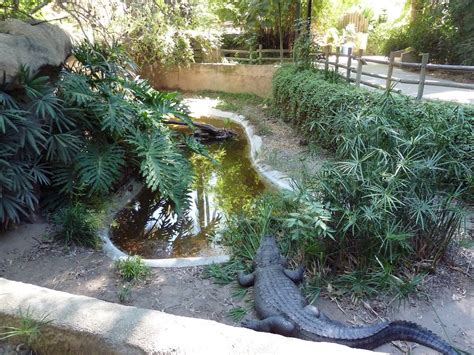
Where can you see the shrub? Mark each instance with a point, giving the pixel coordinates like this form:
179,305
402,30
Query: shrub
392,196
81,136
441,28
77,225
401,170
132,268
168,34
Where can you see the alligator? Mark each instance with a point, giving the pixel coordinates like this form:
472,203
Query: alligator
283,310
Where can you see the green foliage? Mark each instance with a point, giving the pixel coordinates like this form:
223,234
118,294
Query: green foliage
124,293
442,29
29,329
237,314
401,169
21,9
223,274
77,225
163,166
261,20
78,138
393,194
382,39
166,33
303,47
27,123
132,268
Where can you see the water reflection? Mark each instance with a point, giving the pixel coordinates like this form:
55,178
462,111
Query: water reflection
149,226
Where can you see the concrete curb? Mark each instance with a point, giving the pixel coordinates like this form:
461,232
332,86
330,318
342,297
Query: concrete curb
84,325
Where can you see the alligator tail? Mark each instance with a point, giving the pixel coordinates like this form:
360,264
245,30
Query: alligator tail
403,330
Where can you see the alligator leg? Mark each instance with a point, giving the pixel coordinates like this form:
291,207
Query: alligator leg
274,324
295,275
313,310
246,280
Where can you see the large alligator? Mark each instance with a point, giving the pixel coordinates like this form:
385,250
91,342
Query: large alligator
282,309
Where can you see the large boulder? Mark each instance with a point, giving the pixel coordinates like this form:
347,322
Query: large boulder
37,46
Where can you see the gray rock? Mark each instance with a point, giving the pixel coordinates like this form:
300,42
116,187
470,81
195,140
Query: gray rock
36,46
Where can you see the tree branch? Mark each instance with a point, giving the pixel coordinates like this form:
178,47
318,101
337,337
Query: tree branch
39,7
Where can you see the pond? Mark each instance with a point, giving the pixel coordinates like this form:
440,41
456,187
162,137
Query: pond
149,226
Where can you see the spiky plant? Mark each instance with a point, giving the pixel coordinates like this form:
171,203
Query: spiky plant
401,170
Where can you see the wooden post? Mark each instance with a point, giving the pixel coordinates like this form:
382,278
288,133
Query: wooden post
259,54
388,84
327,52
336,67
250,55
421,85
359,67
349,63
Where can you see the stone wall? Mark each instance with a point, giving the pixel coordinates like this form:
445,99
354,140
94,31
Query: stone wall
85,325
232,78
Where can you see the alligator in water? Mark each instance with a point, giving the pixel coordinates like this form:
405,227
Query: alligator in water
282,309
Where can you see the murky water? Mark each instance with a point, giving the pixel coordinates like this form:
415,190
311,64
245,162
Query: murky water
149,227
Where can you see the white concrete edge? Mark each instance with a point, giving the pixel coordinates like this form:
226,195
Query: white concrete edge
274,177
85,325
115,253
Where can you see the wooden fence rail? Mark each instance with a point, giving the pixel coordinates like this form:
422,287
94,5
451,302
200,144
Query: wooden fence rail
257,56
391,64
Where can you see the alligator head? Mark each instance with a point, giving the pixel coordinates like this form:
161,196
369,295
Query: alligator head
268,253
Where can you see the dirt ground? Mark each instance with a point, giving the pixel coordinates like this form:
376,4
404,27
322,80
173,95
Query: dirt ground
28,254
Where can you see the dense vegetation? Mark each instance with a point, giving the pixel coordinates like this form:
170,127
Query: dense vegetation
384,210
401,167
444,29
81,136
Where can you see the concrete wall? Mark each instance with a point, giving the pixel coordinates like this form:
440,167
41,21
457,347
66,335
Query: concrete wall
232,78
85,325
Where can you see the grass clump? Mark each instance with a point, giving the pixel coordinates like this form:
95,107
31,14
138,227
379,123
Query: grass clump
28,330
237,314
77,225
132,268
124,293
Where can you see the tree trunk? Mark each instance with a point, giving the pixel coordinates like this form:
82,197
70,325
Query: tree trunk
416,9
280,30
308,16
298,17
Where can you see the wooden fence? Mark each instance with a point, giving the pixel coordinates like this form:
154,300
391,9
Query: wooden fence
257,56
354,65
391,63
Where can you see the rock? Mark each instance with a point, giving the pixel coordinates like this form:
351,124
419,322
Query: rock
41,46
